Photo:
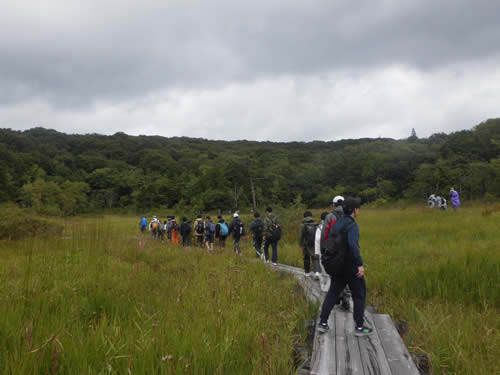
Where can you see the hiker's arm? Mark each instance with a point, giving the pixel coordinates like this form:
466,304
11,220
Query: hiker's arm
352,240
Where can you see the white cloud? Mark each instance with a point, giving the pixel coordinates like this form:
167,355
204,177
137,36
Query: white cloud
386,102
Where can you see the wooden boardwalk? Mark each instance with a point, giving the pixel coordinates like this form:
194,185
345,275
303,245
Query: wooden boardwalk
339,352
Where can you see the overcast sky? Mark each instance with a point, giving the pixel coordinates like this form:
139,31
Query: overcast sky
286,70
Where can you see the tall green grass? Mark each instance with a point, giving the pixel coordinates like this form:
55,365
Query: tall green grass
101,299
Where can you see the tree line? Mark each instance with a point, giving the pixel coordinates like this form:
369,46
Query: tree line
68,174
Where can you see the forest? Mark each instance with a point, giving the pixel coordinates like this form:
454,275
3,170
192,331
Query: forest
68,174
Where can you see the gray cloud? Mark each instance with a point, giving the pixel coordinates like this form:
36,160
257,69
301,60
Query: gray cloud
96,66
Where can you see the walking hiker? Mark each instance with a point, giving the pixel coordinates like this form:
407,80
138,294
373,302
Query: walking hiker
161,229
330,220
209,234
174,230
325,278
237,230
185,232
257,229
199,230
221,231
346,269
307,239
272,234
454,199
154,227
143,223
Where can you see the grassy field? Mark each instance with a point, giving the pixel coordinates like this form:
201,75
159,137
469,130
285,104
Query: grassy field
103,299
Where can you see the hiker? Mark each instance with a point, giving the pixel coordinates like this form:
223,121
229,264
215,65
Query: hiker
257,229
143,223
307,239
237,230
333,216
174,230
454,199
350,272
325,278
330,219
199,230
168,229
209,234
442,203
185,231
272,234
221,231
161,229
154,227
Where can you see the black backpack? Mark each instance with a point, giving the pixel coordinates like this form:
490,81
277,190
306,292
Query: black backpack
275,232
200,228
309,235
336,250
258,229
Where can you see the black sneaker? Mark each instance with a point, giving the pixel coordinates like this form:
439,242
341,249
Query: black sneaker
323,327
363,331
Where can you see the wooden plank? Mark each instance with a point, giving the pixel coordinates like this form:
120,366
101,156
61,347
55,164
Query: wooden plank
372,353
323,357
396,353
347,348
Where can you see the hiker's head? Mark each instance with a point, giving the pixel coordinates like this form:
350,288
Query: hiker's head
307,213
199,216
351,206
269,209
323,215
235,214
338,200
208,218
256,215
184,218
219,217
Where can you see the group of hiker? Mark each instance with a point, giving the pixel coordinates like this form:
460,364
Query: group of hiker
331,248
437,201
265,233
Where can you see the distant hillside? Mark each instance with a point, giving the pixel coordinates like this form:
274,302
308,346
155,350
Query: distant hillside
57,173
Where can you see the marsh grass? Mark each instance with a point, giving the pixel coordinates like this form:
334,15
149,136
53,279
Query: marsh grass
101,299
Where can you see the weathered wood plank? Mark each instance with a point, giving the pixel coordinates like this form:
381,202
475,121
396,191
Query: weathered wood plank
372,353
396,353
323,358
347,347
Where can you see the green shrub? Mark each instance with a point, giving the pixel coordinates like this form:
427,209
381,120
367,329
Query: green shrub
16,223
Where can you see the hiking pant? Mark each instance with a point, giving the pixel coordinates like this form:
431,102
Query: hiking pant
236,242
186,240
337,285
199,240
274,245
222,241
307,262
257,243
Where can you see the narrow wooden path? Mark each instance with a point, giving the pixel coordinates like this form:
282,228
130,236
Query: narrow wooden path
339,352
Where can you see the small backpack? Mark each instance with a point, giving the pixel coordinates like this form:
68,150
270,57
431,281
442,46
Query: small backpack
275,232
309,234
200,227
223,229
258,229
336,250
154,225
211,227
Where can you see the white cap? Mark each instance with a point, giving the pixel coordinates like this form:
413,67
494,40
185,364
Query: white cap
338,198
235,214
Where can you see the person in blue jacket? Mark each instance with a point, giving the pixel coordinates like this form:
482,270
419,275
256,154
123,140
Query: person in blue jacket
143,224
352,272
